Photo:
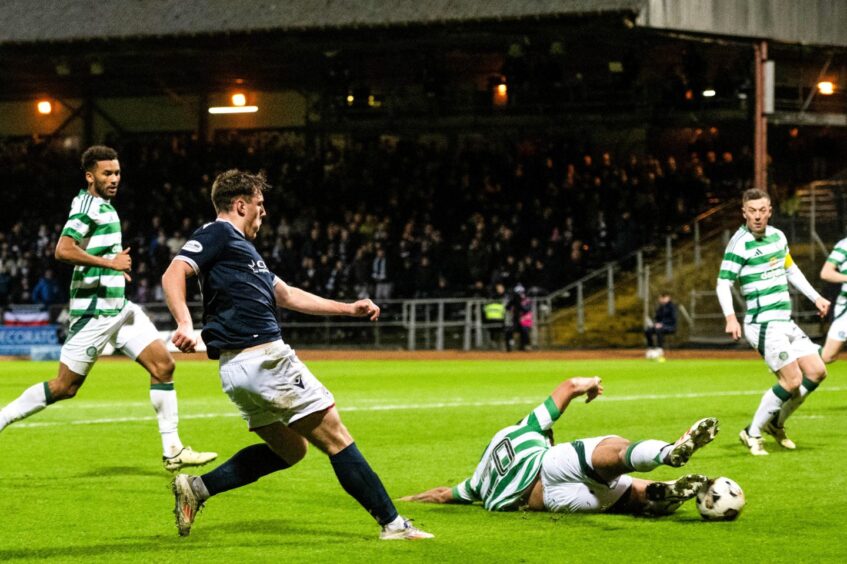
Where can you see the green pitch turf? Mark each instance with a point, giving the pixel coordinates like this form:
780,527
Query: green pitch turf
82,481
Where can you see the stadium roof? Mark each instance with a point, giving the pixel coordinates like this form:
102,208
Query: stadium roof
79,20
814,22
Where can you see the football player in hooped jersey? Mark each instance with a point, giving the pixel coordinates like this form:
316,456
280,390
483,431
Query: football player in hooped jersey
833,270
522,469
277,395
758,257
100,313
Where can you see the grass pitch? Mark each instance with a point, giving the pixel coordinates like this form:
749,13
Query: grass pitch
82,481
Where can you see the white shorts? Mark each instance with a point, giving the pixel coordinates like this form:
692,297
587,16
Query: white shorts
781,343
570,483
130,332
838,329
270,384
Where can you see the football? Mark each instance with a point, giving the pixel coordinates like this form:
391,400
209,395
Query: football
722,500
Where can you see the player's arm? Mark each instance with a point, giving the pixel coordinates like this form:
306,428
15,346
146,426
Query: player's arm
590,387
829,273
174,286
68,250
728,273
302,301
441,494
798,280
724,292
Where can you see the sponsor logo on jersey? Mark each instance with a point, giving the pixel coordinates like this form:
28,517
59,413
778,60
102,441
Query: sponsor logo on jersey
192,246
771,274
258,267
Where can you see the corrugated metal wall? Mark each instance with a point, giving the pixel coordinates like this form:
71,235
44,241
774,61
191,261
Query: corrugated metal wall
820,22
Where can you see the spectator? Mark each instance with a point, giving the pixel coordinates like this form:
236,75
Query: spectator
379,275
495,316
663,323
47,290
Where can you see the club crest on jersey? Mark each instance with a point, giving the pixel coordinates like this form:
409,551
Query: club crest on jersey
258,267
772,263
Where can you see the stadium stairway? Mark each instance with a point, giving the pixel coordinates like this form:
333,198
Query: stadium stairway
701,323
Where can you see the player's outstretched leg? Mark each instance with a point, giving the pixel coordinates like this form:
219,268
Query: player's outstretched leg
643,456
325,430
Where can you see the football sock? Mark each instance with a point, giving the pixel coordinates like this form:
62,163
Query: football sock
771,403
644,456
245,467
34,399
163,398
361,482
789,407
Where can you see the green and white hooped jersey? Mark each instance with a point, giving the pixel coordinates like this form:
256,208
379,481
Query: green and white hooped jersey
511,461
94,224
838,257
760,267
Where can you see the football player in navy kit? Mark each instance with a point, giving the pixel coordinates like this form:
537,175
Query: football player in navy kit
278,396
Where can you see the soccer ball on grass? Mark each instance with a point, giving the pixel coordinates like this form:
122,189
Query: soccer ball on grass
721,500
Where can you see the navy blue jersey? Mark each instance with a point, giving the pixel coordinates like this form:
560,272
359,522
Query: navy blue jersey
239,307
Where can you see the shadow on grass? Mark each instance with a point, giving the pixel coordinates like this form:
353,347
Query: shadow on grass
111,471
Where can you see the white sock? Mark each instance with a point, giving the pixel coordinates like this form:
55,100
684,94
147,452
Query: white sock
33,400
644,456
770,404
163,398
396,523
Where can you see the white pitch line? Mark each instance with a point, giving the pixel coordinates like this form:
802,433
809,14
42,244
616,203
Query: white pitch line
411,406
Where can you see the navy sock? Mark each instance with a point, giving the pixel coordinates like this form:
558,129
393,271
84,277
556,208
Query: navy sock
361,482
245,467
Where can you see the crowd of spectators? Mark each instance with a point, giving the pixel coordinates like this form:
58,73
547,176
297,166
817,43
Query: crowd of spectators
386,218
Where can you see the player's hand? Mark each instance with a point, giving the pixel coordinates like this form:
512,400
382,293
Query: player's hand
733,328
590,386
436,495
823,306
122,261
365,308
184,339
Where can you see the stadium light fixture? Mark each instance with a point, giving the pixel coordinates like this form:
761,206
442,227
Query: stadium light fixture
500,93
709,93
45,107
233,109
826,87
239,99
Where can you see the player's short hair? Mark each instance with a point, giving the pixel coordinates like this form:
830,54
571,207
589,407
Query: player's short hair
97,153
234,183
754,194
